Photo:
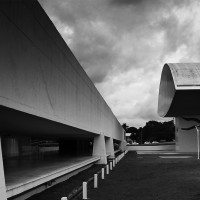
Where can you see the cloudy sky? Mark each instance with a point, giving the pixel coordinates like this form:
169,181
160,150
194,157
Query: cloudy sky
123,45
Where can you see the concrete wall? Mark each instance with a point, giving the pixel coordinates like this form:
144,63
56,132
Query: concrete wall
39,74
45,92
186,140
150,148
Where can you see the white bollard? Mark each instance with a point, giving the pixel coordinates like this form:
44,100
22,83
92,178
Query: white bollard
64,198
107,169
110,165
84,190
113,163
95,180
102,173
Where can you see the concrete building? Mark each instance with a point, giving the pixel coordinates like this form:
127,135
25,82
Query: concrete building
54,122
179,96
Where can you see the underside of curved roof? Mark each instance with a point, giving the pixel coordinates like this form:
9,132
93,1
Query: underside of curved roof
179,92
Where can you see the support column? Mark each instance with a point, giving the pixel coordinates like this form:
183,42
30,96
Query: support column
2,177
10,146
110,147
99,148
122,145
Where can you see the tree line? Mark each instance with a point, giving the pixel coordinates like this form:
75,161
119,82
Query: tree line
152,131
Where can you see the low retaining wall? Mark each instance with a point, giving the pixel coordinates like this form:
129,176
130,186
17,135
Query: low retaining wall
165,147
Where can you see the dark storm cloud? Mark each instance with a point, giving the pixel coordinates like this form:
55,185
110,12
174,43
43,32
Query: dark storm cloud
93,41
134,2
156,3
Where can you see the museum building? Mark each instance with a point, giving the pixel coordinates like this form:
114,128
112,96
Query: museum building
54,122
179,97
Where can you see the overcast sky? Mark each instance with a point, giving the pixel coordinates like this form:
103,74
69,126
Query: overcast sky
123,45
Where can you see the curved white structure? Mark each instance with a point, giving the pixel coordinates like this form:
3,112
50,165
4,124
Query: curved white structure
179,91
179,97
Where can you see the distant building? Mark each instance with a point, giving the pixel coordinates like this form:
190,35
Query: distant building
179,97
128,139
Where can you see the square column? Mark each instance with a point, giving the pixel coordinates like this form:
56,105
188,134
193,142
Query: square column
186,134
99,148
2,177
122,145
110,147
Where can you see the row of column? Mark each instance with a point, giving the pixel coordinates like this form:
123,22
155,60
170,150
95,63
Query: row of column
104,146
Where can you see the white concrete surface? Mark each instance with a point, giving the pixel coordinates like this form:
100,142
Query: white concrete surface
150,148
186,140
99,148
2,177
179,90
179,96
42,81
39,74
109,147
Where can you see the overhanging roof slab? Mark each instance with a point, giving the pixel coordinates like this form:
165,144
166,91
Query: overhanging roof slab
179,91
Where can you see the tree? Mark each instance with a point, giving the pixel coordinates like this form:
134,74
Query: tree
154,130
124,126
134,133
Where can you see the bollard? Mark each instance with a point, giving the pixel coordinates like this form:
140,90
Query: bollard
64,198
110,165
84,190
102,173
95,181
113,163
107,169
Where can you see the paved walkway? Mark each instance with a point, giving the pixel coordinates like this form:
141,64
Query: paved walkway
151,177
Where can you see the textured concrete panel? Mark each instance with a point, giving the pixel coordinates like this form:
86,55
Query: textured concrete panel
186,133
39,75
185,74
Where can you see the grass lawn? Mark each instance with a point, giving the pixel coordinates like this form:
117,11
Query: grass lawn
150,177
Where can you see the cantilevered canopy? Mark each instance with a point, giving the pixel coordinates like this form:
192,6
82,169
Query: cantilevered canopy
179,92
